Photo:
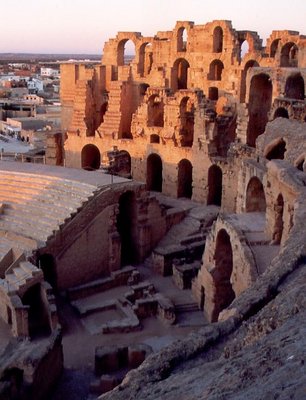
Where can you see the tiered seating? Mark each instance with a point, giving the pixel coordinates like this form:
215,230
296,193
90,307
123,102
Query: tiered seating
35,206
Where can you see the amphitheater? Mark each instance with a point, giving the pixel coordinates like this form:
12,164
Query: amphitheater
176,188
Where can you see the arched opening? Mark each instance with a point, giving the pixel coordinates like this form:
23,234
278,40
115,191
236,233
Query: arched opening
214,185
154,138
215,70
224,293
122,164
145,59
260,101
182,39
248,65
155,111
289,55
90,157
279,222
180,74
295,87
213,93
187,122
218,40
38,316
277,152
281,112
125,52
184,180
244,49
255,196
126,228
154,173
47,264
274,47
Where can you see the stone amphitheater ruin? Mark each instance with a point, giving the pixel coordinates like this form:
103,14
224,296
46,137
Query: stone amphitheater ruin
202,135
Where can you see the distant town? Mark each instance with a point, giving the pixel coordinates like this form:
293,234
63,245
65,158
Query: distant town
30,100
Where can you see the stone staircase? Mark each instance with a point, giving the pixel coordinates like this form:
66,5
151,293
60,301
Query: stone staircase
35,206
112,117
17,279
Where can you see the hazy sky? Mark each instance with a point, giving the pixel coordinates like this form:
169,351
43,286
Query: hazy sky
82,26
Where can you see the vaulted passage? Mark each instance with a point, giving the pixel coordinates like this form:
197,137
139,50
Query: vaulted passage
126,228
180,74
255,196
154,173
215,70
155,111
224,293
214,185
125,52
145,59
295,87
38,317
218,40
184,181
289,55
259,105
277,152
187,122
248,65
90,157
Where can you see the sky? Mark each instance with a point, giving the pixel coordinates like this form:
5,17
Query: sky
83,26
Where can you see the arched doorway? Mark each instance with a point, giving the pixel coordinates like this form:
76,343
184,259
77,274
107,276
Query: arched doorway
295,87
218,40
125,52
90,157
214,185
255,196
281,112
182,39
289,55
224,293
145,59
260,101
38,316
155,111
277,151
215,70
47,264
154,173
180,74
248,65
187,122
279,221
184,180
126,228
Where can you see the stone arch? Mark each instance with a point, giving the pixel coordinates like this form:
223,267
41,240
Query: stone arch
184,179
145,61
155,111
213,93
180,74
126,227
186,122
248,65
215,70
255,196
274,47
214,185
38,315
289,55
182,36
278,219
90,157
244,49
125,52
260,101
224,293
154,173
218,40
47,264
295,87
276,150
281,112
